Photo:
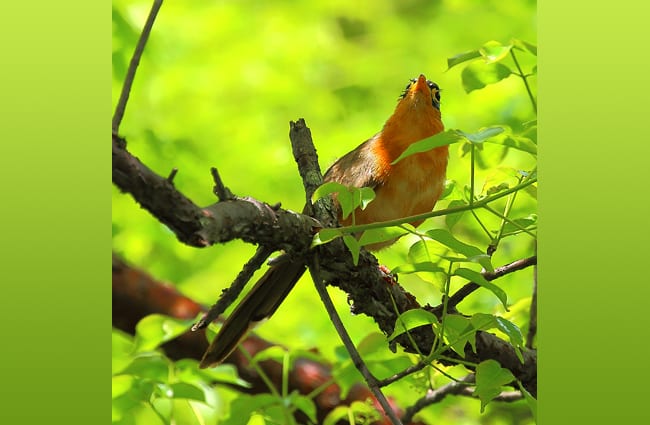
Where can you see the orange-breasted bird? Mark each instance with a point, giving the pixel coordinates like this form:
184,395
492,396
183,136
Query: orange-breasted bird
409,187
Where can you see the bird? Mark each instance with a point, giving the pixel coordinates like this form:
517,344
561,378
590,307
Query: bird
408,187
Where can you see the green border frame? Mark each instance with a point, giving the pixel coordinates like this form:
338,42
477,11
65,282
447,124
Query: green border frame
55,100
593,212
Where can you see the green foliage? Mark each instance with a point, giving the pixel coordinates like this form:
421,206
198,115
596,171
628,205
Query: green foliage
218,85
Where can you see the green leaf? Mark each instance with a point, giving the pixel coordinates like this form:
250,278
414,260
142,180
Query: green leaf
523,45
514,335
327,189
224,373
382,234
426,266
326,235
364,197
338,414
530,400
304,404
150,365
441,139
524,222
412,319
452,219
493,51
156,329
490,378
274,352
354,247
187,391
482,134
478,75
121,385
459,332
478,278
462,57
471,252
521,143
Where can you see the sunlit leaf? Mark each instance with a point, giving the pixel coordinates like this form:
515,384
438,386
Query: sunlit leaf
426,266
524,45
325,236
516,142
490,378
462,57
493,51
382,234
459,332
412,319
478,75
305,404
156,329
478,278
354,247
187,391
469,251
441,139
483,134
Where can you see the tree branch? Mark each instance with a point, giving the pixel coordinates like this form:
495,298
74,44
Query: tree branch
259,223
133,67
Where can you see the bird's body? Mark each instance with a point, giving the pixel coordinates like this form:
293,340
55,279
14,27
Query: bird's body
411,186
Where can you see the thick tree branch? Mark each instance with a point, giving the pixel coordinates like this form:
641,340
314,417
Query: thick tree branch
259,223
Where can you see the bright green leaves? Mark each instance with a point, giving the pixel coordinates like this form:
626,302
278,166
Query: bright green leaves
490,378
441,139
468,252
478,75
413,319
478,278
350,198
156,329
491,69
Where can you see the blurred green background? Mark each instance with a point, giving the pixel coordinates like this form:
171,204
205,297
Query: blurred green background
219,83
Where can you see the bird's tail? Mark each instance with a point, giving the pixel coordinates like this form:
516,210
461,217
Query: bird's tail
261,302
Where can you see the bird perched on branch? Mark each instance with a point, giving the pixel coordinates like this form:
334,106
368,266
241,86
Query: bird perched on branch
409,187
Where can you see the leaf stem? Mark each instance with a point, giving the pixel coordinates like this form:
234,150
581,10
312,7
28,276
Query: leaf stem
523,77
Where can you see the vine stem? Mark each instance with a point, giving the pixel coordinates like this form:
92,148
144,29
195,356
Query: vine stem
523,77
446,211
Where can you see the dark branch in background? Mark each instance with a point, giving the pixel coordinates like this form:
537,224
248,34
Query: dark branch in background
133,66
136,295
435,396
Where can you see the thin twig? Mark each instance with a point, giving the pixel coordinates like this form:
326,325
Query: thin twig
435,396
133,66
370,379
172,174
222,192
409,370
463,292
228,296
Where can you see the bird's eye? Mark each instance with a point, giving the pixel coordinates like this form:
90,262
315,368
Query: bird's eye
435,89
